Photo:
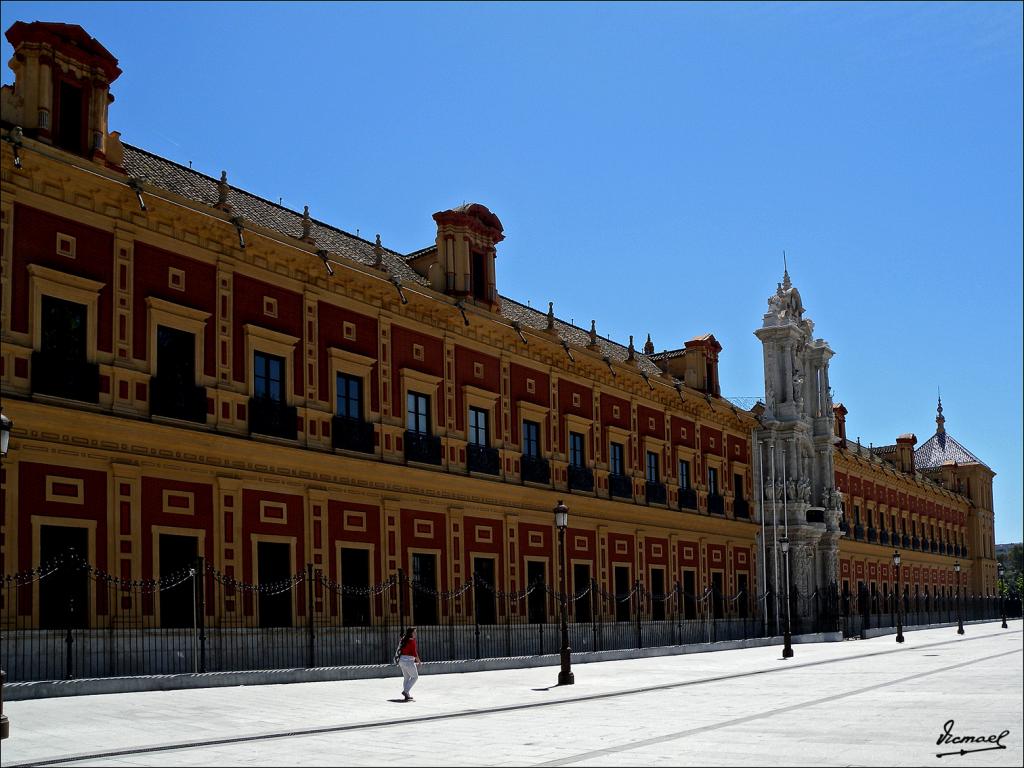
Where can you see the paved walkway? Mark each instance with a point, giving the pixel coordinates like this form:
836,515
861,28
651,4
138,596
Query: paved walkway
859,702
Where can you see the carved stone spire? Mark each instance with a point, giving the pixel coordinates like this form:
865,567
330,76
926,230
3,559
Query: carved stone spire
786,283
593,335
631,350
551,316
378,254
649,346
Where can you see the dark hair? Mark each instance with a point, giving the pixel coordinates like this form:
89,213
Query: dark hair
408,633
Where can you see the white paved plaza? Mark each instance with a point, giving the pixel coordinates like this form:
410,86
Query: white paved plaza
858,702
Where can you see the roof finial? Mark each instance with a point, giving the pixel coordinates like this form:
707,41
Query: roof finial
551,316
631,350
222,190
786,283
378,254
306,222
940,420
649,346
593,335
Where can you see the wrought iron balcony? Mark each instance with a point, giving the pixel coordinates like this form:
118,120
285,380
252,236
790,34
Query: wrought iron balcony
906,541
843,525
716,504
925,545
481,458
272,417
741,509
169,398
915,543
935,546
56,375
872,534
858,532
534,469
580,479
352,434
815,515
687,498
620,486
963,551
422,447
883,536
956,550
655,492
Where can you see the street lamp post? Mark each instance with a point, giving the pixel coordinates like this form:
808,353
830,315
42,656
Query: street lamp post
899,603
1001,570
787,648
5,439
565,676
959,618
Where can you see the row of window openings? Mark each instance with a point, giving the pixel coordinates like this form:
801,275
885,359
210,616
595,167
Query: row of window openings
903,523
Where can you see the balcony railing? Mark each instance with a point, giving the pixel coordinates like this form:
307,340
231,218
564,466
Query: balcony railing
858,532
655,492
534,469
352,434
883,536
844,526
169,398
815,515
741,509
963,551
935,546
872,534
481,458
716,504
620,486
906,541
915,542
272,417
422,447
687,498
54,374
580,479
925,544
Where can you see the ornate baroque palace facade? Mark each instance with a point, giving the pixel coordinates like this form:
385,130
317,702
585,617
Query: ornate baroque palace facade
193,370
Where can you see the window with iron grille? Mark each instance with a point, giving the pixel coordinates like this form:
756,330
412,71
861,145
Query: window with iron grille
576,455
616,463
652,467
268,377
531,439
712,480
418,413
350,396
684,474
478,426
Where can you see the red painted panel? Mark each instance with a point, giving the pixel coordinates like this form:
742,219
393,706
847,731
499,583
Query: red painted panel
35,242
248,309
629,556
150,279
643,422
32,501
608,403
694,548
465,360
330,322
649,556
684,432
711,440
737,449
252,525
402,341
153,514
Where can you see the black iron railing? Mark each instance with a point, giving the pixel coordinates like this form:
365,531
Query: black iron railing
59,376
581,479
481,458
422,447
858,532
687,498
716,504
741,509
352,434
905,539
915,542
883,536
620,486
534,469
872,534
655,493
168,398
272,418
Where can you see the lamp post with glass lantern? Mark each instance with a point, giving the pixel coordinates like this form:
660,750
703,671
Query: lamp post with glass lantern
899,602
787,649
5,439
565,676
959,618
1001,570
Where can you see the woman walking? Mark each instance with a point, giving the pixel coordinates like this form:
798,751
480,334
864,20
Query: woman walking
408,659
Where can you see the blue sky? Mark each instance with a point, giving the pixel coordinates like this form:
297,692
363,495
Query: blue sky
650,163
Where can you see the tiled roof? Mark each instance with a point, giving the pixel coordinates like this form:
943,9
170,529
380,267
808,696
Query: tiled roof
198,187
201,188
940,449
883,450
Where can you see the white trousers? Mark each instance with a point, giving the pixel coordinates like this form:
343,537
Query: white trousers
409,672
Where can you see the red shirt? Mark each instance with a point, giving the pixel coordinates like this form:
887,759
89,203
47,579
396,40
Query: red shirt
409,648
